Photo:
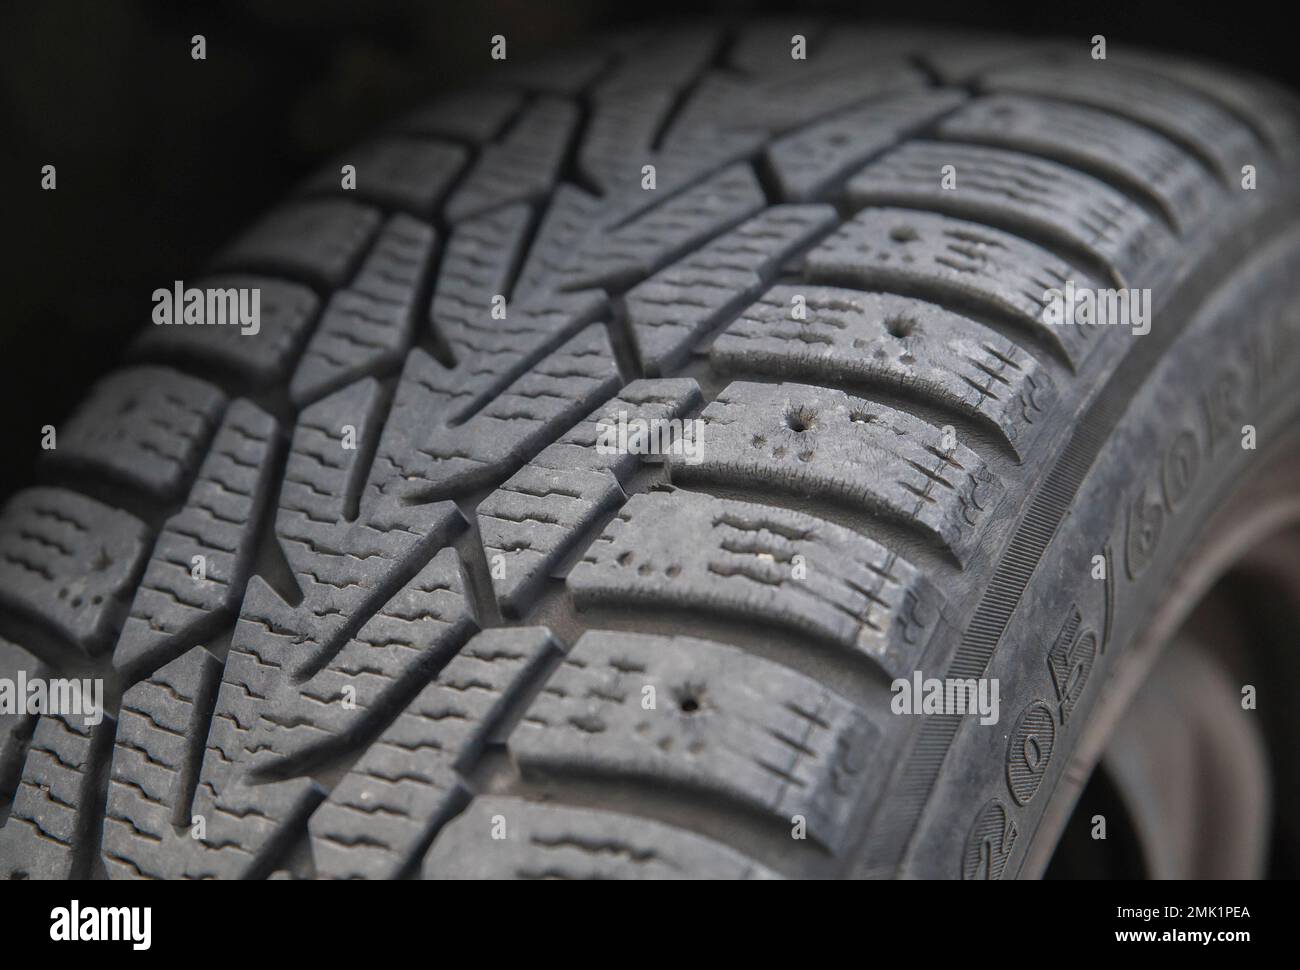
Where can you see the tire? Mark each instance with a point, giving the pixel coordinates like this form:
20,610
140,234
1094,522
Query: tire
442,631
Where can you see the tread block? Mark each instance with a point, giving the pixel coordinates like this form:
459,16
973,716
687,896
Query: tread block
345,568
287,312
491,348
1021,193
960,59
70,561
365,608
247,825
321,475
316,241
623,134
621,256
1270,109
768,739
954,263
1114,149
1168,107
822,443
529,523
145,426
449,461
396,796
670,311
620,136
724,103
368,326
564,842
411,635
936,356
261,717
267,718
523,166
570,216
688,551
172,608
494,354
534,520
810,160
477,266
650,397
162,726
53,811
472,116
408,174
16,726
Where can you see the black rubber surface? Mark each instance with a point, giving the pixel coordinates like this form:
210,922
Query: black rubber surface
430,654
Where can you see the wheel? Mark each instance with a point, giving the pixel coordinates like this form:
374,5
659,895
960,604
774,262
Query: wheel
687,458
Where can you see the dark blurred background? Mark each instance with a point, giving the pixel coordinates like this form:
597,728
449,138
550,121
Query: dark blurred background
161,159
